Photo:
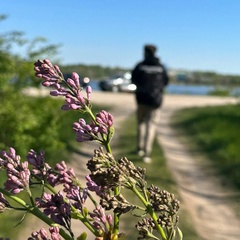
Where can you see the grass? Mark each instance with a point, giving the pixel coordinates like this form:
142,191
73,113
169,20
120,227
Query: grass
157,174
215,132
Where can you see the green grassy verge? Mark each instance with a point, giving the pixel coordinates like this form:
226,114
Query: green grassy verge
157,174
215,132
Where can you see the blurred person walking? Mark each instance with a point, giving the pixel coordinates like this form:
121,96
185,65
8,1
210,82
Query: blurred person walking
150,78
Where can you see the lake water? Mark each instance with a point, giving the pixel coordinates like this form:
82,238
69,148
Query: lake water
182,89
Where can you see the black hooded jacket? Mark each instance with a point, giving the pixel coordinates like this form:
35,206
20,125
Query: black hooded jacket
150,77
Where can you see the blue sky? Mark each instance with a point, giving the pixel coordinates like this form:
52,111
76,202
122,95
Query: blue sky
190,34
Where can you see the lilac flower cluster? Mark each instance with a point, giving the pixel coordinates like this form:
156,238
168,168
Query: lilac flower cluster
49,72
88,132
107,178
69,88
107,173
18,174
40,168
105,121
93,187
71,186
102,222
55,207
166,206
61,174
43,235
85,132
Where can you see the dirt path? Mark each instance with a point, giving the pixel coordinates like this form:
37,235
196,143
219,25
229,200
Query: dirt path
201,192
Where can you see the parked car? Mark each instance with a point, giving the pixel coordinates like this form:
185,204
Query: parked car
118,83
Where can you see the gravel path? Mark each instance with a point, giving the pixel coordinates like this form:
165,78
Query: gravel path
207,200
208,203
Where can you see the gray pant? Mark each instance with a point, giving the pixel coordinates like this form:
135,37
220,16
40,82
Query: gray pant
147,120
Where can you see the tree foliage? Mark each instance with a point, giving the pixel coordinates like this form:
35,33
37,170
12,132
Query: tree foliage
92,71
17,70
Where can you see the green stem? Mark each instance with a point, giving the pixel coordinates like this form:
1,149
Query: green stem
92,199
36,212
150,212
108,148
87,223
30,195
89,111
116,215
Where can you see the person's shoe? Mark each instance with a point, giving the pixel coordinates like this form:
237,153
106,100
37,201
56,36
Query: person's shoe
147,160
141,153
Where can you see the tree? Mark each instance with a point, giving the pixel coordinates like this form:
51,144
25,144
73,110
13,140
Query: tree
16,70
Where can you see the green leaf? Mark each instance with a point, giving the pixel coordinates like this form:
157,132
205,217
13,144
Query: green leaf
83,236
21,220
85,212
180,234
111,133
74,215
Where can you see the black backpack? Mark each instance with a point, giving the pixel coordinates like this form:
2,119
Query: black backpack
151,84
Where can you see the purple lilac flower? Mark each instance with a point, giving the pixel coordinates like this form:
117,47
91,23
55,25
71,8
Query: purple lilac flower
59,91
17,180
18,174
68,179
55,207
36,160
38,235
88,91
40,168
89,132
84,131
76,195
55,233
105,121
93,187
71,90
74,102
74,81
43,235
50,73
10,157
100,220
62,175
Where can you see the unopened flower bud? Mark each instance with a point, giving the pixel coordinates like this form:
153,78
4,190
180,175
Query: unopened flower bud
88,91
43,233
75,76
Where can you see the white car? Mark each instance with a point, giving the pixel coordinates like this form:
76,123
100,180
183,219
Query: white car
118,83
